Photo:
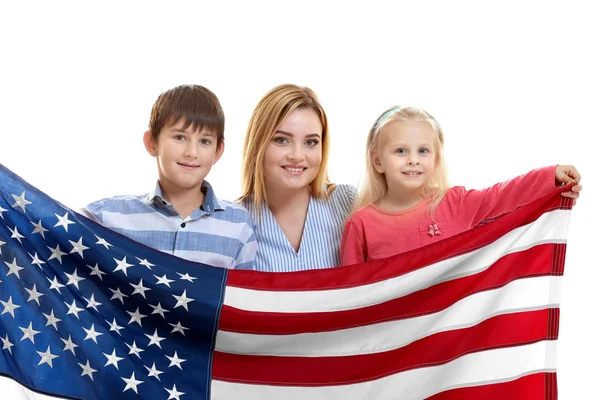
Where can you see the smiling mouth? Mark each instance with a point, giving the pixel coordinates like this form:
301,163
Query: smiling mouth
188,166
412,173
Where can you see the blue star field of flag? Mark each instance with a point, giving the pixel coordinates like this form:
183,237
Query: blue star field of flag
87,313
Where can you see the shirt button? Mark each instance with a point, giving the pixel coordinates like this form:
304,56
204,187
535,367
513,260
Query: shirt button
183,224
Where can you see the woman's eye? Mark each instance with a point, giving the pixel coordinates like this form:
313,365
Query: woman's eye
312,142
280,140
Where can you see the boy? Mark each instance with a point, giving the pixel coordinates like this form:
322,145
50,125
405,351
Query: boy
182,216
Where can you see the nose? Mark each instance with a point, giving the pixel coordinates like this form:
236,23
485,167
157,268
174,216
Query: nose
413,160
296,153
191,150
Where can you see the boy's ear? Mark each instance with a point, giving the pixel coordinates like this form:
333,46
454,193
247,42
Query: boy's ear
150,144
376,161
219,152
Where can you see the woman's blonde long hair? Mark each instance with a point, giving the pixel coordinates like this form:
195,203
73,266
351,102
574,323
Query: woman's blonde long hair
268,115
374,186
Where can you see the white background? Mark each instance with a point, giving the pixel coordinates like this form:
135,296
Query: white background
514,85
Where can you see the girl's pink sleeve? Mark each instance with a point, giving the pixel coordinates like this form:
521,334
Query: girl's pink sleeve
353,249
475,206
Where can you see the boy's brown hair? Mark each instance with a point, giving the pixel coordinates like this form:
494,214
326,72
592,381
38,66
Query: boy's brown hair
199,107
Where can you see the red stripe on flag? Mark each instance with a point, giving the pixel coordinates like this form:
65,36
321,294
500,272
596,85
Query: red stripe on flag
528,387
501,331
536,261
375,271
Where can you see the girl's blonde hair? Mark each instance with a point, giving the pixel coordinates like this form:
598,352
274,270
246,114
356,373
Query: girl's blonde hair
374,186
269,114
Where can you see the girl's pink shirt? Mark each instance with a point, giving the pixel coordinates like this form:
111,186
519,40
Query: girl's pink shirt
373,234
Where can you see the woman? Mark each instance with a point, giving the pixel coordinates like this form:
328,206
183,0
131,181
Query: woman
299,214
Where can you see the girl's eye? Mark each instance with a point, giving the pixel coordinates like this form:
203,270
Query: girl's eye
423,150
401,151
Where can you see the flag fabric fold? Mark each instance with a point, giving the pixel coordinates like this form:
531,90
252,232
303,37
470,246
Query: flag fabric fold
87,313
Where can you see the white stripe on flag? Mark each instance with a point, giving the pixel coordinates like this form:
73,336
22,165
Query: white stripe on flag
519,295
499,365
546,229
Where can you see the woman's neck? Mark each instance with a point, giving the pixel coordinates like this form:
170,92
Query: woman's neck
286,199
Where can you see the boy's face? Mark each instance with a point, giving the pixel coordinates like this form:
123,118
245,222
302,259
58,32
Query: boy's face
184,157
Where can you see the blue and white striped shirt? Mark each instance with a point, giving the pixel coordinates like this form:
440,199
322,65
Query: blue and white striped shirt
220,233
321,238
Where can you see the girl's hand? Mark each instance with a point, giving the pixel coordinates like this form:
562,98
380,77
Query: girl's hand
566,174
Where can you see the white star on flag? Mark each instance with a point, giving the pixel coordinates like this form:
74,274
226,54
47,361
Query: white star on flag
73,309
29,333
92,334
173,393
70,346
175,360
78,247
122,265
183,300
6,344
155,339
96,271
20,201
47,357
146,263
52,320
13,268
113,359
56,253
102,242
132,383
36,260
153,371
63,221
87,370
140,288
9,307
74,279
38,228
16,235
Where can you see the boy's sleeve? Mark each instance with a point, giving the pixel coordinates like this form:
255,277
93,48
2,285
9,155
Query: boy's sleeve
475,206
246,256
353,249
92,211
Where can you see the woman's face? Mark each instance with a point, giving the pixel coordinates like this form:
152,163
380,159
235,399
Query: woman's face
293,156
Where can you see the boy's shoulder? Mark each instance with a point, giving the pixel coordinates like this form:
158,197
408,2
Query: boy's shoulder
121,202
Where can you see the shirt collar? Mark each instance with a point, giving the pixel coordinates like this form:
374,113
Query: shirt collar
209,204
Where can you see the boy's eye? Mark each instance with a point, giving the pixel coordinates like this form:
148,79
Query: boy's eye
179,137
206,141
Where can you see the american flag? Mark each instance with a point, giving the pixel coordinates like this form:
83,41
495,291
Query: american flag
87,313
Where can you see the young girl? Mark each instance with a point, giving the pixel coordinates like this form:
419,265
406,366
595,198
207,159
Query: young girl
299,214
405,203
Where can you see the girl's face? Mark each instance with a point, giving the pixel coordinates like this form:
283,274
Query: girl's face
406,156
293,156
